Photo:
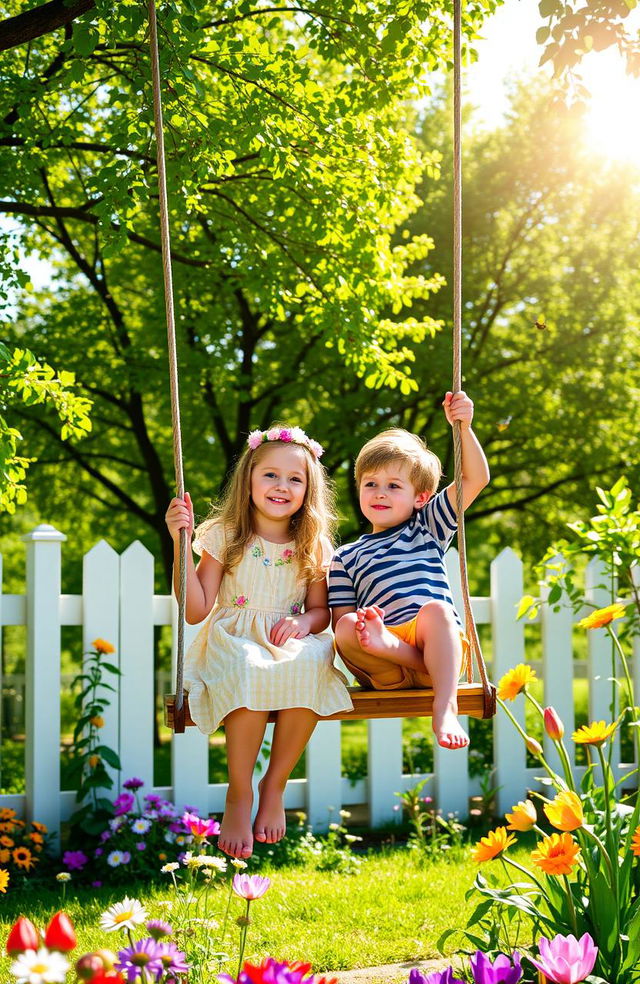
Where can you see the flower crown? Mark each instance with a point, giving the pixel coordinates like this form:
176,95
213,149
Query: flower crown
290,435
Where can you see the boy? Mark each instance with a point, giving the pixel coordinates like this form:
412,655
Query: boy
392,609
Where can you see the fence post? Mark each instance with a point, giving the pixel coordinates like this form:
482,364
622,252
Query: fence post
599,656
509,754
323,788
558,670
137,697
384,769
42,751
101,620
635,660
189,751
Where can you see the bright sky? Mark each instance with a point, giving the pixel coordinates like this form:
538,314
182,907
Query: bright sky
509,48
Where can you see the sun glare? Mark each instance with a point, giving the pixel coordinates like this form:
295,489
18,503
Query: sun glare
612,119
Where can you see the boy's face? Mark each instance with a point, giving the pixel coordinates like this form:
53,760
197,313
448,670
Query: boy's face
387,497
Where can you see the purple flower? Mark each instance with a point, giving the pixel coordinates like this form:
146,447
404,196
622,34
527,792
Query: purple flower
271,972
153,800
250,886
126,857
285,434
499,972
98,851
435,977
159,928
173,960
133,784
141,956
96,884
123,803
74,860
566,960
105,835
141,846
177,827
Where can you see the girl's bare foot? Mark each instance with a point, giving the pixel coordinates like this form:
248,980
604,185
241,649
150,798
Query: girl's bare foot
447,729
270,824
236,838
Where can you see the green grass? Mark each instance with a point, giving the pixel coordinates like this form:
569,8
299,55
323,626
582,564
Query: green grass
393,910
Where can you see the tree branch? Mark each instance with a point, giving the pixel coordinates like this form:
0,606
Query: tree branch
48,17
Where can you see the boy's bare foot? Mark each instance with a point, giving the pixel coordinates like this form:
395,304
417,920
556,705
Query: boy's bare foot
447,729
373,636
235,837
270,824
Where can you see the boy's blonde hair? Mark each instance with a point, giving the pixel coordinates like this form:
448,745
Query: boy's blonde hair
397,444
314,520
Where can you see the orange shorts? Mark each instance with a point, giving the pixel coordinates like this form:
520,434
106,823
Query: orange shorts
376,673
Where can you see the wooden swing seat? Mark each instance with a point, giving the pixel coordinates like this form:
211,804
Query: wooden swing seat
373,704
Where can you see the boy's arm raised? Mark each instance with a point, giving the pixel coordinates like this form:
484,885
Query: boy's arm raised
475,468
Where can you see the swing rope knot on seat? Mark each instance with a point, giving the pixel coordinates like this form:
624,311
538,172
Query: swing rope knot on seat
476,699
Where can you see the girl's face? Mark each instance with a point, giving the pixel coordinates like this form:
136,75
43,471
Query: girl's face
279,482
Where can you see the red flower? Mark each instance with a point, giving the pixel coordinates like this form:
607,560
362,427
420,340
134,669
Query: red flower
60,934
23,936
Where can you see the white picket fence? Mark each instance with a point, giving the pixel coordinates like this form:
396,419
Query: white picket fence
118,604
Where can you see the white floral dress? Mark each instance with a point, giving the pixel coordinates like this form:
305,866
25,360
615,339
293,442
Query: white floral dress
231,663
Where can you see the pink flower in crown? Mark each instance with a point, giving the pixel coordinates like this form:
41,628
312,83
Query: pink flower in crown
316,449
273,434
285,434
255,439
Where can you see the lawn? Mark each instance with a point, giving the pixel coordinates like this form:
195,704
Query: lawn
393,910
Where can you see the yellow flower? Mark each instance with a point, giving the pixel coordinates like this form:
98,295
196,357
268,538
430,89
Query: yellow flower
102,646
492,845
557,854
93,761
533,745
602,616
635,843
4,880
23,857
97,721
523,816
595,733
565,813
514,681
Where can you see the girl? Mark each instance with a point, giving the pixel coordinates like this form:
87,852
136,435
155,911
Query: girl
264,555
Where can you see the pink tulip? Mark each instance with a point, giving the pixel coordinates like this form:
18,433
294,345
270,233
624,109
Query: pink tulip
250,886
566,960
552,724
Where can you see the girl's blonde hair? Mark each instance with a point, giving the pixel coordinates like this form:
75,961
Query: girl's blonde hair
316,518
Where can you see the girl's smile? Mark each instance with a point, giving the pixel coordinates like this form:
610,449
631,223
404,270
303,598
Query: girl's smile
279,484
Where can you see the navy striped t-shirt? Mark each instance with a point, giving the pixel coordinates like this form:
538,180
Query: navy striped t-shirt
399,569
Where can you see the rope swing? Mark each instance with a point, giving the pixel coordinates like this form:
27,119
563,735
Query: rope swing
474,699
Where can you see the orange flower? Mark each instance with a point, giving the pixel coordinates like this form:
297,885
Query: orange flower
6,841
556,854
23,857
36,838
6,828
492,845
602,616
514,681
523,816
93,761
6,813
565,813
4,880
40,827
595,733
102,646
97,721
635,843
5,855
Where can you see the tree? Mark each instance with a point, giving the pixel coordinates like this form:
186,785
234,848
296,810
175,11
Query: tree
24,380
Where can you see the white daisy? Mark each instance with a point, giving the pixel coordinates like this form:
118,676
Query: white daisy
42,967
63,876
208,862
172,866
115,859
123,915
239,863
140,826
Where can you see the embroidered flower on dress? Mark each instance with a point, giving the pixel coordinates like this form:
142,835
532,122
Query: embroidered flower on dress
285,557
266,562
240,601
256,552
295,609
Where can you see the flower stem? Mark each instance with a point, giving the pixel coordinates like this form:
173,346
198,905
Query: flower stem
572,908
243,939
555,778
